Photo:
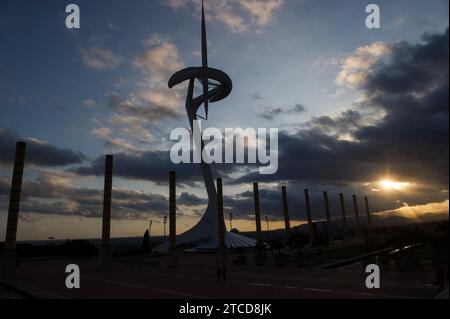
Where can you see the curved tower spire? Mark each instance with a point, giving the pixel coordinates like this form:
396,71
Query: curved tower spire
217,85
205,60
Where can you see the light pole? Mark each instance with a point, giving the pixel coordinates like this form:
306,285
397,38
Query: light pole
267,223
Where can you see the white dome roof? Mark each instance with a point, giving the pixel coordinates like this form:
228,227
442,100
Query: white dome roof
232,240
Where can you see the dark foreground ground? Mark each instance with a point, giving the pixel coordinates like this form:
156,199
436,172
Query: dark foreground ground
8,293
149,277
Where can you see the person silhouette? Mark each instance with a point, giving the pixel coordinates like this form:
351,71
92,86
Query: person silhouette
221,271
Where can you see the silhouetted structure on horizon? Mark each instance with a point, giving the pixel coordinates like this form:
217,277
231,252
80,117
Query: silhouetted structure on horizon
330,231
146,246
369,218
287,221
343,215
9,255
216,85
105,251
311,231
357,218
221,225
257,212
173,257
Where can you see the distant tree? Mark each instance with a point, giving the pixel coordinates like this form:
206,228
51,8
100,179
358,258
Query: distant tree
146,246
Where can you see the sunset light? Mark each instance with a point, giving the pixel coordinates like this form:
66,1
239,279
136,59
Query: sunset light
388,184
233,158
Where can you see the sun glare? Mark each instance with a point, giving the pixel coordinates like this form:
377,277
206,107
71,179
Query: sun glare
393,185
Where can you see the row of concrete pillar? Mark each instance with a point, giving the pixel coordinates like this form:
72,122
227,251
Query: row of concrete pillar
9,254
9,257
311,230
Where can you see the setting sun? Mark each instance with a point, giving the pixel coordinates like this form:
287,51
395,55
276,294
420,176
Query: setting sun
393,185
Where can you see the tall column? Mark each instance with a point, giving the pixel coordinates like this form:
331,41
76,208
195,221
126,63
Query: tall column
173,256
105,260
328,216
369,218
221,221
287,222
358,220
257,212
9,255
311,231
344,215
164,224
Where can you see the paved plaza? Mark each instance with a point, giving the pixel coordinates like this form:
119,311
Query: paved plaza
143,277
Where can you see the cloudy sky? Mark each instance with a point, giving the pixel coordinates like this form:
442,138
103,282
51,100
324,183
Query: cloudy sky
354,107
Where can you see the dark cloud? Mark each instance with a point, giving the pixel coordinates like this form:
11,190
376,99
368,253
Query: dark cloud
413,91
38,153
270,113
410,142
191,200
345,124
152,166
50,194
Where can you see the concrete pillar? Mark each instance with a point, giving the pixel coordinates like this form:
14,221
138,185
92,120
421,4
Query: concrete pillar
257,212
328,216
164,224
287,222
358,220
344,215
369,218
173,255
311,231
221,221
9,255
105,252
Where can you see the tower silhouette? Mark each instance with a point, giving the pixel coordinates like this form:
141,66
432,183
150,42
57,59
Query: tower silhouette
216,85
